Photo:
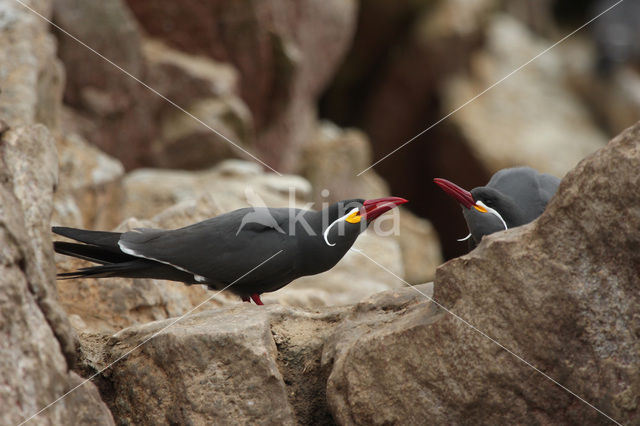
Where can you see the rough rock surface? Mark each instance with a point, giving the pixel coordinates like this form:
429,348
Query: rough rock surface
37,342
221,365
235,365
518,124
332,161
561,292
32,77
118,109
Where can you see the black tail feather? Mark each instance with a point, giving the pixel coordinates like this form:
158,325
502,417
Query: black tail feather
102,247
132,269
90,253
139,268
105,240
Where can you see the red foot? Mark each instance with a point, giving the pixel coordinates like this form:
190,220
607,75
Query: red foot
256,298
246,299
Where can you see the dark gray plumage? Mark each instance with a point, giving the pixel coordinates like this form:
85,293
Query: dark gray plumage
513,197
224,249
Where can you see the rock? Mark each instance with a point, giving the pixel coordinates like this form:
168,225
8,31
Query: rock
233,365
331,164
89,193
37,342
207,90
516,124
421,253
210,368
32,77
119,110
560,292
362,388
231,185
284,52
132,121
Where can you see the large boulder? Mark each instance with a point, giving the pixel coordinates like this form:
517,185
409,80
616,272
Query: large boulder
559,295
217,367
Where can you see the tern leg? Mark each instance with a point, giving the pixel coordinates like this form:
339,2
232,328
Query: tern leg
256,298
246,299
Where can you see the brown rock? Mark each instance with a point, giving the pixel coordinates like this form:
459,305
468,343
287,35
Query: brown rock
119,109
234,365
421,253
89,193
517,125
37,342
560,292
32,77
284,51
231,185
207,90
216,367
332,161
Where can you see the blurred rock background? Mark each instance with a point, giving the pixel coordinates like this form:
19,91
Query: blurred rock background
317,91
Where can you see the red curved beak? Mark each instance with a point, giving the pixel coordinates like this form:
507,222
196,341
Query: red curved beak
376,207
462,196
